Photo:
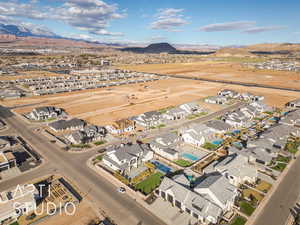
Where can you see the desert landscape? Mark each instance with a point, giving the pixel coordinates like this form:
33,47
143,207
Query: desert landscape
103,106
224,70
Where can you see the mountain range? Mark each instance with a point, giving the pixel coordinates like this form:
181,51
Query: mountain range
26,31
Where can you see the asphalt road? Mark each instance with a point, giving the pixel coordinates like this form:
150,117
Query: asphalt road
121,208
277,209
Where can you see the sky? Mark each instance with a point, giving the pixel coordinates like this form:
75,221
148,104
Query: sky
213,22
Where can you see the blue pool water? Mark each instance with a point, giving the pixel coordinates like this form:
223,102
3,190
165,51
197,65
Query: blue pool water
273,119
238,144
217,142
163,168
190,156
236,131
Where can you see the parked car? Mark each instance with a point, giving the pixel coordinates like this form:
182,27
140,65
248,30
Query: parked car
121,190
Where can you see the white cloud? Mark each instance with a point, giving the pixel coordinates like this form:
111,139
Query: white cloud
169,19
89,15
255,30
18,9
228,26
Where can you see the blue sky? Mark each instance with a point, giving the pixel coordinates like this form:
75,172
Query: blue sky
219,22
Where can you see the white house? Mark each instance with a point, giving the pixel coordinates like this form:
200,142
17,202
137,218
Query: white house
123,159
218,188
45,112
177,191
175,114
16,202
196,134
237,169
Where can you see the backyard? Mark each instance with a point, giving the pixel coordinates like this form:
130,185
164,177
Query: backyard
292,146
183,163
149,184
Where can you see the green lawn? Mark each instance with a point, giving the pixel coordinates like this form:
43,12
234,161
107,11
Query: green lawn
100,142
279,167
99,157
14,223
148,185
292,147
80,146
209,146
284,159
183,163
194,116
238,220
246,208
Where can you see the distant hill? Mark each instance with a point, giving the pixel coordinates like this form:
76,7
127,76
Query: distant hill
233,52
26,31
158,48
153,48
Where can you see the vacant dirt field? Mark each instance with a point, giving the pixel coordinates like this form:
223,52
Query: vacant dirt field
84,215
229,71
102,106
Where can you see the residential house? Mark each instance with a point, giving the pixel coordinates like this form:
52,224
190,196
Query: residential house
87,134
196,134
123,159
221,100
238,118
236,168
165,146
190,107
45,113
7,160
259,151
177,191
148,119
16,202
63,125
121,126
294,103
218,126
228,93
216,187
251,97
292,118
175,114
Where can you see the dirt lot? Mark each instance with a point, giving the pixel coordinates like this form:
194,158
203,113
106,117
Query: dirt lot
102,106
229,71
83,215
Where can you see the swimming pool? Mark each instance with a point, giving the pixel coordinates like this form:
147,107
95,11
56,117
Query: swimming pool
217,142
190,156
236,131
162,167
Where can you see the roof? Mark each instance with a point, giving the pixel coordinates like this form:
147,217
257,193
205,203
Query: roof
200,204
218,185
64,124
218,125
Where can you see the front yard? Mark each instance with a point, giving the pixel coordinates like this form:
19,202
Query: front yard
263,186
280,166
246,208
251,195
238,220
149,184
292,146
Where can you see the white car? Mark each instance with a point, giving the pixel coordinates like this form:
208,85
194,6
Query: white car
121,190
